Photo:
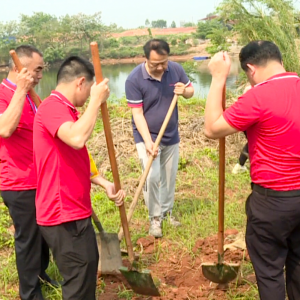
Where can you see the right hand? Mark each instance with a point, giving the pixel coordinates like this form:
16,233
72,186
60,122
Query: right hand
100,92
150,149
24,81
219,65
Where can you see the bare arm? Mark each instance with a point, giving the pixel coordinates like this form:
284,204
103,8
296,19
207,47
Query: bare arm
76,134
10,119
215,125
142,127
110,190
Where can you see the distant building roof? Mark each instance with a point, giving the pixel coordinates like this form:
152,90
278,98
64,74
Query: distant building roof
209,18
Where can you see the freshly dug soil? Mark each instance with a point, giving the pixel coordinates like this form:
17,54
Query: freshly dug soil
179,272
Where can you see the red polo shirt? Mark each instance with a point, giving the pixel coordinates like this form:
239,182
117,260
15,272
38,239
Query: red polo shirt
63,184
16,152
270,113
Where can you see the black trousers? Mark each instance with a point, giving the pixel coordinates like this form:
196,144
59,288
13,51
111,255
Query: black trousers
273,242
32,252
244,155
75,251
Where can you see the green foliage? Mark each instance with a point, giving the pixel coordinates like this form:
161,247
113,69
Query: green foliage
173,24
6,239
180,49
189,24
57,36
53,54
111,43
150,33
218,39
159,23
206,28
190,69
173,42
272,20
132,40
147,23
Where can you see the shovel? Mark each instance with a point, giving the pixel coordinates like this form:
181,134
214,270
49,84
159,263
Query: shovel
109,248
35,98
221,272
149,163
141,283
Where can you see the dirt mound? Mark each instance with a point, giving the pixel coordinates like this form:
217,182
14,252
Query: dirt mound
178,271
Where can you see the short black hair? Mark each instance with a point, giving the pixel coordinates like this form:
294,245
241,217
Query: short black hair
158,45
259,53
24,51
74,67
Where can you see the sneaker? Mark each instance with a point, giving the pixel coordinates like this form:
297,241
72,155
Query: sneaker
155,227
239,169
171,219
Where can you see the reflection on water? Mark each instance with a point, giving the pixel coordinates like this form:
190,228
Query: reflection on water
117,75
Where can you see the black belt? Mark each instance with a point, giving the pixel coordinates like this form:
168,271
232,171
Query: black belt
272,193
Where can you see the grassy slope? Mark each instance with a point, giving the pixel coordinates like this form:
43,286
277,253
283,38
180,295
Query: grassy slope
196,193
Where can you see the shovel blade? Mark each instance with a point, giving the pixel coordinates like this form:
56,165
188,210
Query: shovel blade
220,273
110,259
140,282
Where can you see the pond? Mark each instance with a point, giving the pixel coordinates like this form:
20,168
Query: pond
118,73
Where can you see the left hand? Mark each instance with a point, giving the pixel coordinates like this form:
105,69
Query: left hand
179,88
219,66
118,197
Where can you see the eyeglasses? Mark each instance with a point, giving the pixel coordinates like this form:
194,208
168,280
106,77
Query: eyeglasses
156,65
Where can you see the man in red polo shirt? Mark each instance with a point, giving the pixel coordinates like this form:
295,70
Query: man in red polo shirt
269,113
17,175
63,201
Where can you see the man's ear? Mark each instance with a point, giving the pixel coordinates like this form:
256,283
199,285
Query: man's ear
251,69
80,82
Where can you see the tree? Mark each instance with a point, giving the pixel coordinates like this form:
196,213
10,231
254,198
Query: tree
147,23
159,24
272,20
173,24
39,29
207,27
189,24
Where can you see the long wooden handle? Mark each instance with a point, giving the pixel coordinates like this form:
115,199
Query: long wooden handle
33,95
111,150
221,189
97,221
149,163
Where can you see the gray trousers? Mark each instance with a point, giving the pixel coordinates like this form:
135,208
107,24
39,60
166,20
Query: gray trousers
159,188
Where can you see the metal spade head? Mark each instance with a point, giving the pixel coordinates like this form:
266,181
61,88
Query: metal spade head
220,273
140,282
110,259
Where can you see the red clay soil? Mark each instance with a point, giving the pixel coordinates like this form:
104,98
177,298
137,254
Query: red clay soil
178,272
155,31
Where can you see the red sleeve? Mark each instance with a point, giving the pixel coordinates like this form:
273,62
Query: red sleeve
53,114
244,112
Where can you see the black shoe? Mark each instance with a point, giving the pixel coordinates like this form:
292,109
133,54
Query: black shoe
47,280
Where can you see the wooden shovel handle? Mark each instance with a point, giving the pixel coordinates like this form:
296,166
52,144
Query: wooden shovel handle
97,221
221,189
33,95
149,163
111,150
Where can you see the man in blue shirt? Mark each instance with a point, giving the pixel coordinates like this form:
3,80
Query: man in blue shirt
150,88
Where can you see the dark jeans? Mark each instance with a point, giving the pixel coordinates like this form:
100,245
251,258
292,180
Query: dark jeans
273,241
32,252
75,251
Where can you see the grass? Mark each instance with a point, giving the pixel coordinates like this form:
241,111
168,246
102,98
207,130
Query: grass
196,202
